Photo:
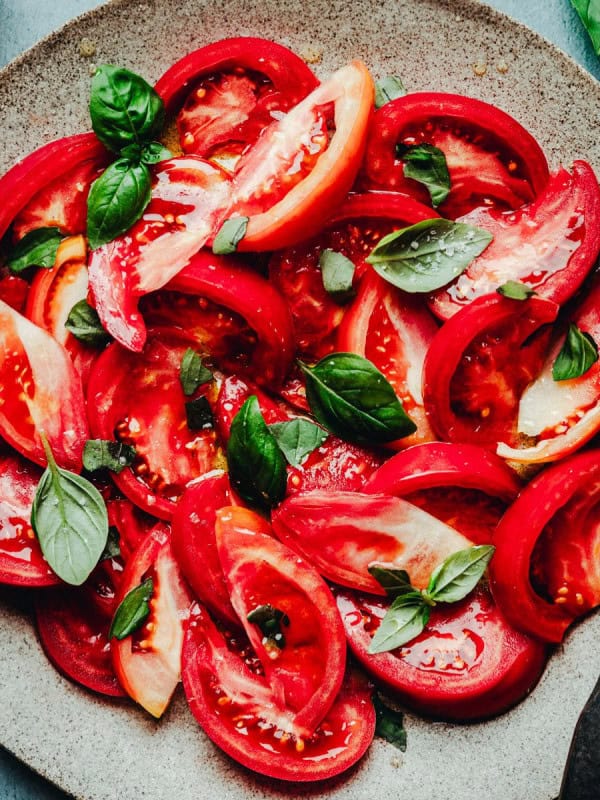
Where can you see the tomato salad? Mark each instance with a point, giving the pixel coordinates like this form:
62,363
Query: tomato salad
279,359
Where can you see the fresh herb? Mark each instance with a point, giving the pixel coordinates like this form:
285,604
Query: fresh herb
70,520
257,467
104,454
84,324
151,153
229,235
36,249
351,398
297,439
515,290
428,255
389,723
132,611
270,621
192,372
426,164
337,273
589,11
410,610
578,354
113,544
388,88
199,414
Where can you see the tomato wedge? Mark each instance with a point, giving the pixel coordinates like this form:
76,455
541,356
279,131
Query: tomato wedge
13,291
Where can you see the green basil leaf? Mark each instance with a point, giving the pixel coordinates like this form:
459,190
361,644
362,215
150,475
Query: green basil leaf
405,619
351,398
112,548
589,11
426,164
270,621
428,255
199,414
515,290
297,439
229,235
70,520
395,581
105,454
124,108
389,723
116,200
578,353
84,323
132,611
388,88
155,152
257,467
459,574
337,273
192,372
36,249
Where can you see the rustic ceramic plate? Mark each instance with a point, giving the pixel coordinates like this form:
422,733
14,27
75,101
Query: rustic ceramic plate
103,750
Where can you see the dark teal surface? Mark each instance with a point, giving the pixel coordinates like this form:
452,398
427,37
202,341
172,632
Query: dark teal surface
23,22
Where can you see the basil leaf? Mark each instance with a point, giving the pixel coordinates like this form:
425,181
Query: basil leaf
70,520
104,454
297,439
337,272
428,255
124,108
270,621
589,11
426,164
199,414
116,200
515,290
388,88
404,620
192,372
154,152
459,574
36,249
84,324
257,467
132,611
394,581
389,724
229,235
351,398
578,354
113,544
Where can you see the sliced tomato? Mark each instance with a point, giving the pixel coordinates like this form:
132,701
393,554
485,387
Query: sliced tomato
225,687
138,400
132,524
550,245
545,572
342,533
469,663
479,364
148,662
39,391
13,291
305,668
491,158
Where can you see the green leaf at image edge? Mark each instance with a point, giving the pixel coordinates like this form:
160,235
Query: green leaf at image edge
132,611
589,12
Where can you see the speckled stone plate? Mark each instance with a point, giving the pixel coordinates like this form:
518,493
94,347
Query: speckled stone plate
98,749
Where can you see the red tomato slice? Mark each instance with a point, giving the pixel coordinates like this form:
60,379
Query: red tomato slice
491,158
138,399
224,688
132,524
148,662
468,663
13,291
545,571
307,672
342,533
550,245
40,391
21,559
478,365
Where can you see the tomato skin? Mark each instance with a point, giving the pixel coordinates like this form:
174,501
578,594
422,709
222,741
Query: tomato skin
551,496
13,291
491,666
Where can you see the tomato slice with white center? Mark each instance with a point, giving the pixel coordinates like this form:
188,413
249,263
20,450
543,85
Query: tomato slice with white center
491,158
148,662
234,704
137,399
342,533
39,391
306,667
469,663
